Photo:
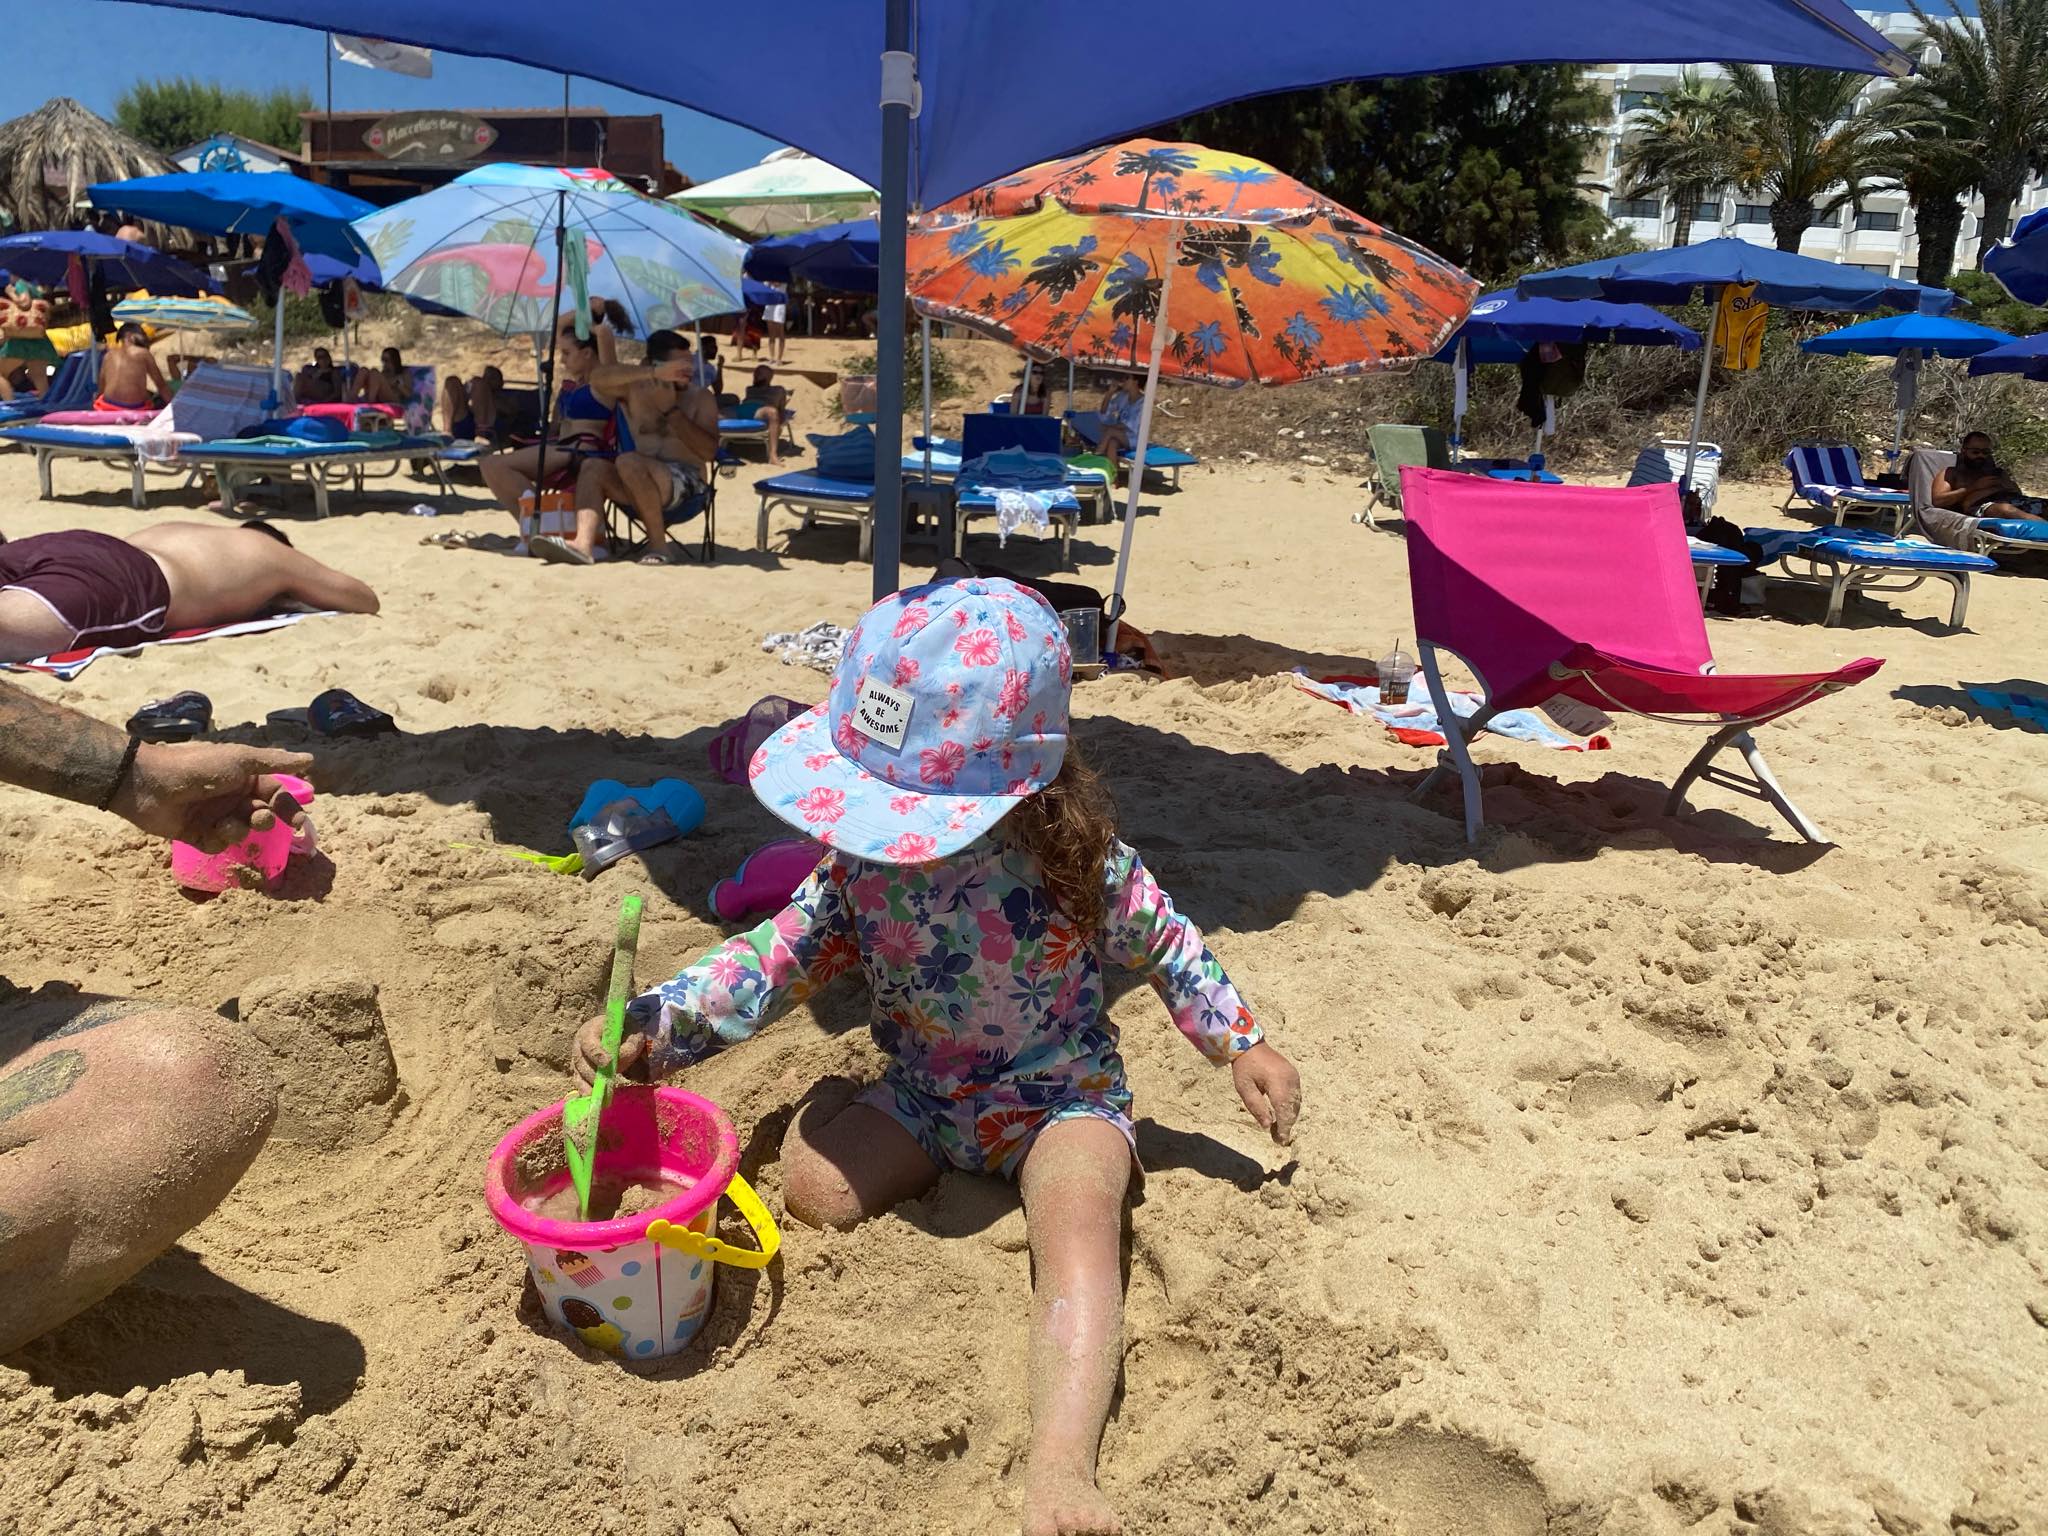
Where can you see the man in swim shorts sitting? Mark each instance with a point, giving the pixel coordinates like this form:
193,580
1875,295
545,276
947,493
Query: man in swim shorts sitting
674,423
129,377
1973,488
62,591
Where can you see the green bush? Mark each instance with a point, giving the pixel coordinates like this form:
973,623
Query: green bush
946,379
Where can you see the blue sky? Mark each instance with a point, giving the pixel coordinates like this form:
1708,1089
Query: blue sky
93,49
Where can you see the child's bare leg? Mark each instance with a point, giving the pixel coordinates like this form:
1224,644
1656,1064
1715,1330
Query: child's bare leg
1073,1182
838,1169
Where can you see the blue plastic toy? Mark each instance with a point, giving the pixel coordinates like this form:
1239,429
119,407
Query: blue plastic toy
684,805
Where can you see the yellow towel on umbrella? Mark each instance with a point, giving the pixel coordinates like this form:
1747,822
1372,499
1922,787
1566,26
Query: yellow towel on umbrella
1739,321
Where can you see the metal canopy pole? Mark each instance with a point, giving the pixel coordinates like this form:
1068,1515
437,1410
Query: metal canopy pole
899,95
1699,399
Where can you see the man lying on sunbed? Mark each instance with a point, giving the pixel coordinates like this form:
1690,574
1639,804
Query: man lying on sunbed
129,377
61,591
674,423
1976,486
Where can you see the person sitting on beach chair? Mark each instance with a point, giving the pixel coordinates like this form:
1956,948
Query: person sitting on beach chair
129,377
674,422
1121,408
388,384
579,432
768,403
469,407
80,587
1977,486
319,382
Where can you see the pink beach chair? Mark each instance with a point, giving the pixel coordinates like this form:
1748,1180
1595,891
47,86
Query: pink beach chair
1586,592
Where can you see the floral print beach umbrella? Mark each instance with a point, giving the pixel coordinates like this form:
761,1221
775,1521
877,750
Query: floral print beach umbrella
484,244
1099,256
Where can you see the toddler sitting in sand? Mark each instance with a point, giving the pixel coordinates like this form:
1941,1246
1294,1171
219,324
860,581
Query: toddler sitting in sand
976,879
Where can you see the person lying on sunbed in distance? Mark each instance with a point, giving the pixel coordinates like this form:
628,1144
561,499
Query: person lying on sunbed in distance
579,432
469,407
388,384
768,403
129,377
1121,408
674,422
60,591
608,322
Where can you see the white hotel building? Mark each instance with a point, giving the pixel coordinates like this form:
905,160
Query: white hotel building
1881,238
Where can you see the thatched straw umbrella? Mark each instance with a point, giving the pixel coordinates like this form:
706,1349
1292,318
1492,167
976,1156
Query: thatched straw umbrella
49,158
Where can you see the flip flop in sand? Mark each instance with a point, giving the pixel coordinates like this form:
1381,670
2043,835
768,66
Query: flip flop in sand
179,718
556,550
337,712
670,553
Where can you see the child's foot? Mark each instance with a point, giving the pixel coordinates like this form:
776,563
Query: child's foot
1061,1501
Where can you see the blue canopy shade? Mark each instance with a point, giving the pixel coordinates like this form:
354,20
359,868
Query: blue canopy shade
832,256
1503,326
41,258
1783,279
760,295
2027,357
2020,260
1930,335
243,203
976,124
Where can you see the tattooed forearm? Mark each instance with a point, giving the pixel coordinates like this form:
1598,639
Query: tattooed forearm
54,750
39,1082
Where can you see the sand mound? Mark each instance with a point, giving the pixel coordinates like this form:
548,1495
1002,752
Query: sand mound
1657,1176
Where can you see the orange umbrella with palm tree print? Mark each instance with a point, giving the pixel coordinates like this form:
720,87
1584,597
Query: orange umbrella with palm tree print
1267,281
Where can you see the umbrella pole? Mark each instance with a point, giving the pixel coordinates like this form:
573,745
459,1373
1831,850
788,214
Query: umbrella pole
1024,395
277,353
1138,450
924,362
1908,395
1461,376
899,91
547,378
1699,399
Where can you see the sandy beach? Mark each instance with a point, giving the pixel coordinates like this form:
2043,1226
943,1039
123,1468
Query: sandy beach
1656,1175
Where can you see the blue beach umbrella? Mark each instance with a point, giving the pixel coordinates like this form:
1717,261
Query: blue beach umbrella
843,256
2020,260
1909,338
1503,326
1782,278
954,65
2027,357
42,257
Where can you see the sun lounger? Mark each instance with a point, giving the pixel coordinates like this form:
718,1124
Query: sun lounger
236,463
1663,463
1847,561
1955,530
1520,582
71,388
1829,477
216,401
990,432
1395,448
818,498
1707,558
1087,426
733,424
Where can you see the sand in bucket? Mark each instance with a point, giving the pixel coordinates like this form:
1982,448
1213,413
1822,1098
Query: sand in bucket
664,1157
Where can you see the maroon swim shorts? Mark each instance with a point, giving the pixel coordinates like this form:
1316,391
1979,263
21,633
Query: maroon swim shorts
109,592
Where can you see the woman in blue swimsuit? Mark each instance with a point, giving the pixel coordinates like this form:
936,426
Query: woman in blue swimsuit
581,431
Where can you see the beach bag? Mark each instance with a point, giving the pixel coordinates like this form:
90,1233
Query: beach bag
848,456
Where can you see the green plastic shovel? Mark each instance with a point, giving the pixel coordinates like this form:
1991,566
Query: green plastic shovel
580,1113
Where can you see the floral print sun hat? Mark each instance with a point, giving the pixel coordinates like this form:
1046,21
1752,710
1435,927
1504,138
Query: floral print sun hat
948,707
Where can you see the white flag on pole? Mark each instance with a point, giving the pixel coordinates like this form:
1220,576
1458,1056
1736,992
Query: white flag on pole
374,53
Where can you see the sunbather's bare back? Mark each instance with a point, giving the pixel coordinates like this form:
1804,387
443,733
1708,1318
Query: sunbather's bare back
219,575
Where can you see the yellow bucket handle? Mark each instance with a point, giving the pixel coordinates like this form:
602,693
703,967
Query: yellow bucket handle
701,1245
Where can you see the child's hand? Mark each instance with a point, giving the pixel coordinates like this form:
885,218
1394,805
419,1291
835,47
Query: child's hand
1270,1088
589,1053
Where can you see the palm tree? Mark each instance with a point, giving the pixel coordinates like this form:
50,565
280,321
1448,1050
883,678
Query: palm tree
1935,163
49,157
1680,149
1805,138
1991,79
1166,160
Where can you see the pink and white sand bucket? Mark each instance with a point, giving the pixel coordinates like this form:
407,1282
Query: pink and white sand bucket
637,1285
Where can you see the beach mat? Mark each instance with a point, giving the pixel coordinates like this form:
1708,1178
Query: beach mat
65,665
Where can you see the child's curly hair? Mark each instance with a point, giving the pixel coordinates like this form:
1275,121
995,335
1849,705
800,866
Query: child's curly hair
1068,826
